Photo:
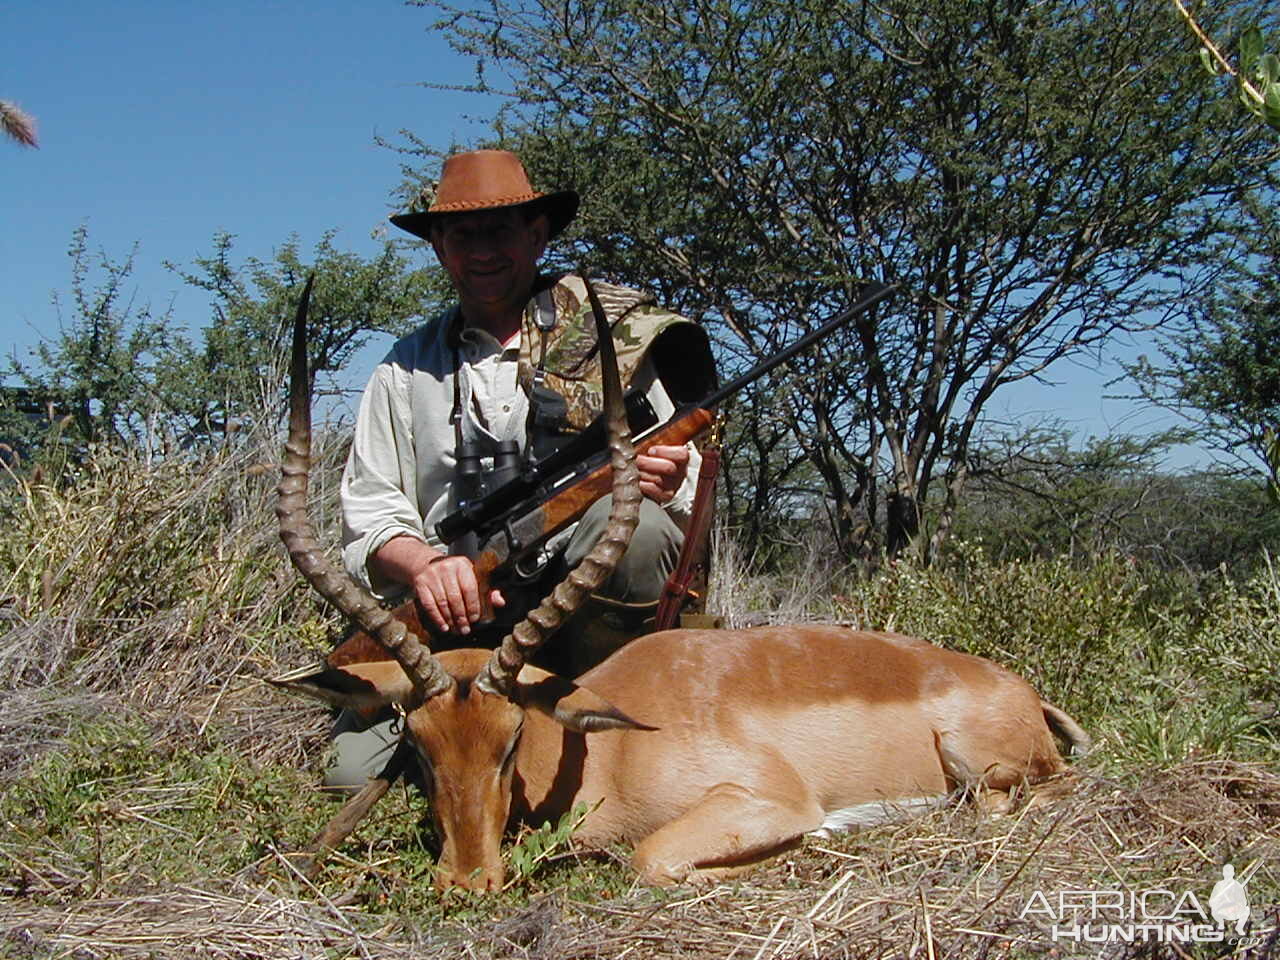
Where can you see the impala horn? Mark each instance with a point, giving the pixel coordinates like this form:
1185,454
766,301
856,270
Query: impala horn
528,635
357,604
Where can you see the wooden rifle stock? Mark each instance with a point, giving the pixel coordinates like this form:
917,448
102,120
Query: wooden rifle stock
567,506
540,523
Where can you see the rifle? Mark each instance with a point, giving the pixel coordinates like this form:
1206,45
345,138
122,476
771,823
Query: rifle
516,518
525,512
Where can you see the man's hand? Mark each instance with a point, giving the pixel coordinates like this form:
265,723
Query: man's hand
447,590
662,471
445,586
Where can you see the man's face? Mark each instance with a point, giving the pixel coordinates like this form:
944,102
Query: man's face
492,257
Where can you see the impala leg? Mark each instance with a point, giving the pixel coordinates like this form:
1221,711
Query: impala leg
990,771
729,829
355,810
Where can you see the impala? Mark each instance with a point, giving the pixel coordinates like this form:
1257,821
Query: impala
707,750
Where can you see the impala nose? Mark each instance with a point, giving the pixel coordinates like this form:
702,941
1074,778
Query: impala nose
479,880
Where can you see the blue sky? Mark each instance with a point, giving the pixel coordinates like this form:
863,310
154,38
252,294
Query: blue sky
163,123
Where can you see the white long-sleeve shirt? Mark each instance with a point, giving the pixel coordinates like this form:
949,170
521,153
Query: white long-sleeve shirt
400,470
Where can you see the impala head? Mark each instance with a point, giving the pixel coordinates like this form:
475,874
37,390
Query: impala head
464,710
468,740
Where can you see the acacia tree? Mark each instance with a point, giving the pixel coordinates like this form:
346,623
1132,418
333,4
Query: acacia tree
234,374
120,374
94,376
1036,176
1221,368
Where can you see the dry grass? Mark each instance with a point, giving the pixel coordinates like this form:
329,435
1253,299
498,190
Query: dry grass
949,885
151,787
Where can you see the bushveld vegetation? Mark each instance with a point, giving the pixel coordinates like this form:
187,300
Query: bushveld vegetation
1035,197
152,785
1042,179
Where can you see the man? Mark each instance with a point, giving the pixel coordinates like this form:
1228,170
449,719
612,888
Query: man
513,364
472,364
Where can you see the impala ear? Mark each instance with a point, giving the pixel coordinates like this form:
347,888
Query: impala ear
356,686
573,707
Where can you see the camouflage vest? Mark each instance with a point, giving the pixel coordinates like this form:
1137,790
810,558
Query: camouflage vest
572,362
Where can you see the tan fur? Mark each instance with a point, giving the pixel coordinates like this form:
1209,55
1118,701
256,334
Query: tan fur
760,734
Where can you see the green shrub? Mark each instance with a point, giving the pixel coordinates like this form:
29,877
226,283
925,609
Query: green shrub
1162,664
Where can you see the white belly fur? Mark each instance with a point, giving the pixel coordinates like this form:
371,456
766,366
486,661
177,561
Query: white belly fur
873,814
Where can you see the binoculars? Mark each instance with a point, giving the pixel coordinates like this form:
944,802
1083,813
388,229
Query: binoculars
473,481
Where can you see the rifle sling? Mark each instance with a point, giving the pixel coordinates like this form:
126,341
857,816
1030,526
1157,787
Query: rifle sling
676,588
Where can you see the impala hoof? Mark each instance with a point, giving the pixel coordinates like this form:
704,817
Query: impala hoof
656,873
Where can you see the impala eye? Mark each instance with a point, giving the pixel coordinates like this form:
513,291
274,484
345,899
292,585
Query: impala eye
428,774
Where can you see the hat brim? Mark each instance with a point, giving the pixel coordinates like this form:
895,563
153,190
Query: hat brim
560,209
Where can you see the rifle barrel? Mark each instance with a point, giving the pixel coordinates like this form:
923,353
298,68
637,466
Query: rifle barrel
875,292
497,505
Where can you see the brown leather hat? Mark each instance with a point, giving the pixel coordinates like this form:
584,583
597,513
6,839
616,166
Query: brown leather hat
487,180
